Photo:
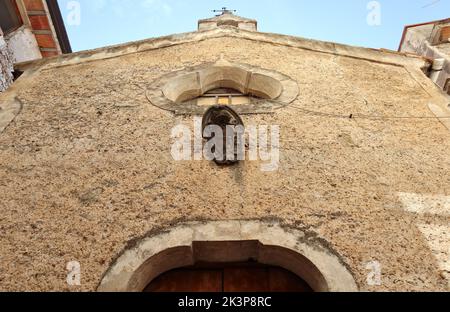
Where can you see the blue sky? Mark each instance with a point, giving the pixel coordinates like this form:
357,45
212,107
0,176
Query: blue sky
377,24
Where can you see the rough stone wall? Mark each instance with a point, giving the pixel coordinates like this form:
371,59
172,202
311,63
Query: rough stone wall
6,65
85,168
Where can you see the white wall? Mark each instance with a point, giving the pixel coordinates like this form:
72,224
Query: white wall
23,45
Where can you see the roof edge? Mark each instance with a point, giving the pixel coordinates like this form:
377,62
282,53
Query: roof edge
445,20
370,54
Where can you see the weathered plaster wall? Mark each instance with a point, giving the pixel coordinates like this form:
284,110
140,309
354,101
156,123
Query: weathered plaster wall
86,169
6,65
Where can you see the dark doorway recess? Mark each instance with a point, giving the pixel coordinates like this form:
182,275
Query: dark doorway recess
237,277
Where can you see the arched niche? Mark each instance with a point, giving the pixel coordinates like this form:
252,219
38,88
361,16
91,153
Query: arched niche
189,86
178,91
227,242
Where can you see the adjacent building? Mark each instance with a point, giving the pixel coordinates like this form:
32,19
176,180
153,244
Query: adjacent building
431,40
29,30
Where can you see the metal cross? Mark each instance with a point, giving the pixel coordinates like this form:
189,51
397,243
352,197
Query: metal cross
224,10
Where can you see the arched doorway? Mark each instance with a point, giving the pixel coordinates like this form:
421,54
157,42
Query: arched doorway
236,246
231,277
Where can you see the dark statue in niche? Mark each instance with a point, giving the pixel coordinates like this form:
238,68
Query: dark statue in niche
225,118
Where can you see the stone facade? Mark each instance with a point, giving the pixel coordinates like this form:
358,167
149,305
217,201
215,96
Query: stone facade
86,172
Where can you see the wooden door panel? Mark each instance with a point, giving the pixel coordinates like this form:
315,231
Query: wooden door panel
188,281
245,280
232,278
281,280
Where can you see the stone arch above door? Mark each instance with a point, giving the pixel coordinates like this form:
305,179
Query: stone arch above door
226,242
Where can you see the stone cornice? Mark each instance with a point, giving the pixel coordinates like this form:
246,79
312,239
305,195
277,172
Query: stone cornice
373,55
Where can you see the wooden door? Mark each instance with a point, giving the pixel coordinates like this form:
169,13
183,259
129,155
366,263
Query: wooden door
230,278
